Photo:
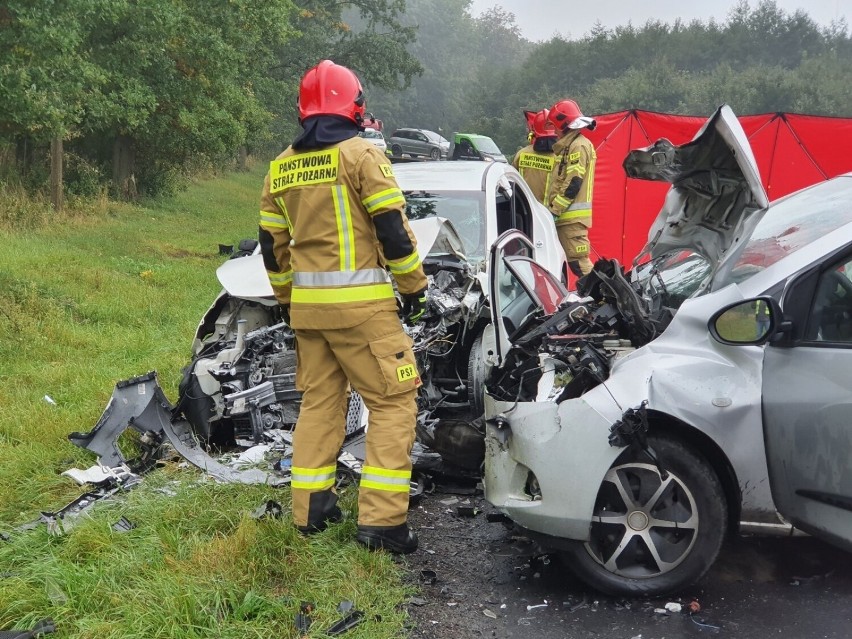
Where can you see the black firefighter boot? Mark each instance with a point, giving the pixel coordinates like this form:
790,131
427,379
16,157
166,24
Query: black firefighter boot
399,540
322,511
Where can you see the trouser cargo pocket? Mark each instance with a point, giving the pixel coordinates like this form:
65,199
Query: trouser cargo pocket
396,361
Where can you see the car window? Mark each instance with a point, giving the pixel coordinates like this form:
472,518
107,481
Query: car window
375,135
421,137
784,228
670,279
830,317
465,209
486,145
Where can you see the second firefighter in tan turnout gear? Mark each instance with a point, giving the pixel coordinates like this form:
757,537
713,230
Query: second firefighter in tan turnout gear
535,161
332,223
569,196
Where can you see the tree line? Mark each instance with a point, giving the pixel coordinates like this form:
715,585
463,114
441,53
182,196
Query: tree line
133,96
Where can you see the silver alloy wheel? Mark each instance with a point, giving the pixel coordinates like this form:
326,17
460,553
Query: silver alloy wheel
643,525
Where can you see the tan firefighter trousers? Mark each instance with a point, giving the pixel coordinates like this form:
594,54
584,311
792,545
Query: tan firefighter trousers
375,357
574,238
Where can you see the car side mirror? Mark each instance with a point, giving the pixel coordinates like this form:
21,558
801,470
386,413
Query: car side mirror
750,322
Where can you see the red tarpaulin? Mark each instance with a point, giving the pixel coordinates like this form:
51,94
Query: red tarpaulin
792,151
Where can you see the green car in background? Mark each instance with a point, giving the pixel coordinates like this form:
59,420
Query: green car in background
471,146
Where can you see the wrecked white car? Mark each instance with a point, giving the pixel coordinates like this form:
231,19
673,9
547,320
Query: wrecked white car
239,388
633,438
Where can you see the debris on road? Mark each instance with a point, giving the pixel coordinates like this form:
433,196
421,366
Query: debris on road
44,627
673,606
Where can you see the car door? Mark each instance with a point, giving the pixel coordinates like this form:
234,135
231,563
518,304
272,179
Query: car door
807,403
519,289
421,144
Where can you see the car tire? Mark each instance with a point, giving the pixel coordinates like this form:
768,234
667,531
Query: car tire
477,373
435,154
396,151
627,555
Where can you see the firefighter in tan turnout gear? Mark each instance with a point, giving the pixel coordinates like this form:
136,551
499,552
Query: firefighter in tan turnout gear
332,224
535,162
569,197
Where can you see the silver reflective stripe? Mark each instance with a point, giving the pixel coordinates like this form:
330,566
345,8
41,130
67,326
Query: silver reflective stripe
580,206
341,278
381,479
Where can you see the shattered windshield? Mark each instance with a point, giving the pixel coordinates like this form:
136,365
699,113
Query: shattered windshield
670,279
465,209
786,227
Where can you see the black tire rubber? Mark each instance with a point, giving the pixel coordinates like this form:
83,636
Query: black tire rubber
435,154
396,151
708,499
477,372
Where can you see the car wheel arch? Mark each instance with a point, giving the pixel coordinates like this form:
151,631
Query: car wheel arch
661,423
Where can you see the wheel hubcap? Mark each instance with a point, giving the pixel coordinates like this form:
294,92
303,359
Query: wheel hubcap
637,520
643,525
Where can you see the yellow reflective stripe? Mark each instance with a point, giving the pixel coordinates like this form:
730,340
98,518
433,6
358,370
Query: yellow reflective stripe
322,471
383,199
392,481
270,220
561,201
345,237
280,202
576,168
280,279
574,214
385,472
404,265
390,488
342,295
313,478
590,182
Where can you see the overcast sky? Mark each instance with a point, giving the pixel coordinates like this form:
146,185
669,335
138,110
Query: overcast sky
542,19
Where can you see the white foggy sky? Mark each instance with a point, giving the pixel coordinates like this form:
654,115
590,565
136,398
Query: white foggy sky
542,19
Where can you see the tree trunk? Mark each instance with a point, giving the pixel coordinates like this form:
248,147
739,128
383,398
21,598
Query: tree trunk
242,159
124,168
23,155
56,173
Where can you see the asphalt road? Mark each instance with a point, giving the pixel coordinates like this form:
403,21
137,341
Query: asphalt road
486,581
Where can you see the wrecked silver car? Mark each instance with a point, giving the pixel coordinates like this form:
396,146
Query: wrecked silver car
706,392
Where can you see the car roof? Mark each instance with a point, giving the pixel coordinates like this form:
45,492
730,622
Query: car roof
446,176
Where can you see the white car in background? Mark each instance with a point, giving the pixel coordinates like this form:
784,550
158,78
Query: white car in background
374,137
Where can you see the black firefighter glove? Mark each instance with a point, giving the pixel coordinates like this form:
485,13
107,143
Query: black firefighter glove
413,306
573,187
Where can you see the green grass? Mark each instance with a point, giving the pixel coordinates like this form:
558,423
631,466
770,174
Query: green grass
87,299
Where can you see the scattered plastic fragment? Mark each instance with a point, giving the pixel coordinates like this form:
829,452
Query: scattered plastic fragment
303,618
344,607
704,625
496,518
428,577
673,606
467,511
541,605
44,627
50,400
661,611
123,525
347,623
271,509
417,601
490,614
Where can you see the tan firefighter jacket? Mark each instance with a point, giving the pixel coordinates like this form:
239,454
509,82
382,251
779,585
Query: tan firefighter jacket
572,180
535,168
332,223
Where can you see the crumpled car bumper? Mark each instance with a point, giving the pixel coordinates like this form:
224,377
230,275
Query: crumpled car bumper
545,462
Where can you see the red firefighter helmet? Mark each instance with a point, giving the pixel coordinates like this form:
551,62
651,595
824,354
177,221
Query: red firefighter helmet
331,89
566,114
541,126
